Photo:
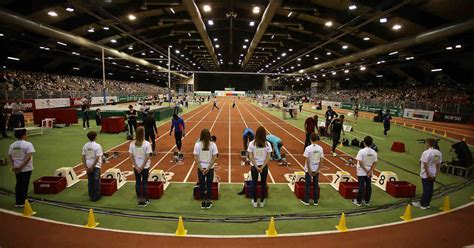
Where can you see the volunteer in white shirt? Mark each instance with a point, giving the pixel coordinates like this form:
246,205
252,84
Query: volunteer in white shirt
205,154
140,152
259,154
366,162
314,159
430,163
92,161
21,158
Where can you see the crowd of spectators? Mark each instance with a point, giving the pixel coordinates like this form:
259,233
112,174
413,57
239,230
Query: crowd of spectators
432,95
25,80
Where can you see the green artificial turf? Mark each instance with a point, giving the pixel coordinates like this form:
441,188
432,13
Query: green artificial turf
61,147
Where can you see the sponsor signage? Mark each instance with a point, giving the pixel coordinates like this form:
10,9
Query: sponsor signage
418,114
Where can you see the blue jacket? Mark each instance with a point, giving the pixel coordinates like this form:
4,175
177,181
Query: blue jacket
248,132
178,125
274,140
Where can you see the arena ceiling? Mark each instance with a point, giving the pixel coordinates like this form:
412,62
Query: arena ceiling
267,36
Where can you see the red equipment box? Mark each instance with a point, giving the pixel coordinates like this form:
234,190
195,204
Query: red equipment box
108,186
401,189
248,189
349,190
49,185
300,188
215,191
398,146
155,190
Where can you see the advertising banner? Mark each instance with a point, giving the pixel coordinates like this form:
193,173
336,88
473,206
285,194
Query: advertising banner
331,103
26,105
52,103
418,114
455,118
100,100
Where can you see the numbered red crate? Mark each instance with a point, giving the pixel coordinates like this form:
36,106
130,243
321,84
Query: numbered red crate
215,191
401,189
49,185
300,188
155,190
248,189
108,186
349,190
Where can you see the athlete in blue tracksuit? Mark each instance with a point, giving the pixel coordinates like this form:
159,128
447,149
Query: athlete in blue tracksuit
276,145
248,136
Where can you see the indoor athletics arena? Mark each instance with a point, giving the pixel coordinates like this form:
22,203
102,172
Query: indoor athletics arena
234,123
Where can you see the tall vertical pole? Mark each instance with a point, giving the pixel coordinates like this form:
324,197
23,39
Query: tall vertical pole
103,78
169,75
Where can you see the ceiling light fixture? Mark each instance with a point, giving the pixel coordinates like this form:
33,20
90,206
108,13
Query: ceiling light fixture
210,22
69,9
396,27
345,47
256,10
328,24
458,46
393,53
352,7
206,8
52,13
436,70
61,43
283,54
362,68
13,58
132,17
383,20
346,71
215,39
289,14
172,10
105,28
217,46
252,23
244,46
449,48
366,38
328,53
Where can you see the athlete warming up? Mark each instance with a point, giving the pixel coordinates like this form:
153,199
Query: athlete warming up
205,154
277,144
259,152
215,104
248,136
177,124
335,129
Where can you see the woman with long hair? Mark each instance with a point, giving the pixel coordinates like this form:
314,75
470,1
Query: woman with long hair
259,153
140,152
205,154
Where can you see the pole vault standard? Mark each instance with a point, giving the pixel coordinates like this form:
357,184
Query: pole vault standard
169,76
103,78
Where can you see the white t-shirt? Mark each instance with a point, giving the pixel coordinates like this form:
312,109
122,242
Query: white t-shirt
314,153
205,157
432,157
92,150
140,152
19,151
368,157
259,153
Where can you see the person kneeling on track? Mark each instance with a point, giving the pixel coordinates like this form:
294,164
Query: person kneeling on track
140,152
21,158
248,136
205,154
335,129
366,162
313,154
259,152
92,161
430,163
277,144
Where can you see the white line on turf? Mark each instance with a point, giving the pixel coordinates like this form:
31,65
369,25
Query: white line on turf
230,137
369,134
269,172
210,130
244,236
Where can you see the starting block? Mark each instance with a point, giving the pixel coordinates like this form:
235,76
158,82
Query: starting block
69,174
297,176
160,176
385,177
116,174
177,158
347,128
244,158
283,161
340,176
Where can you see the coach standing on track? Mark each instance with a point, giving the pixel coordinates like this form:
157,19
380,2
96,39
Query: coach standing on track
85,114
205,154
92,161
330,115
177,124
366,162
430,163
386,121
140,152
132,119
21,158
150,130
335,129
310,125
259,152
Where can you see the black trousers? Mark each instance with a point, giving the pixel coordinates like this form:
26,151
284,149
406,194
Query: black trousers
132,125
307,141
85,121
177,137
386,127
365,189
263,177
3,128
335,140
21,187
215,106
141,184
427,191
205,184
151,135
